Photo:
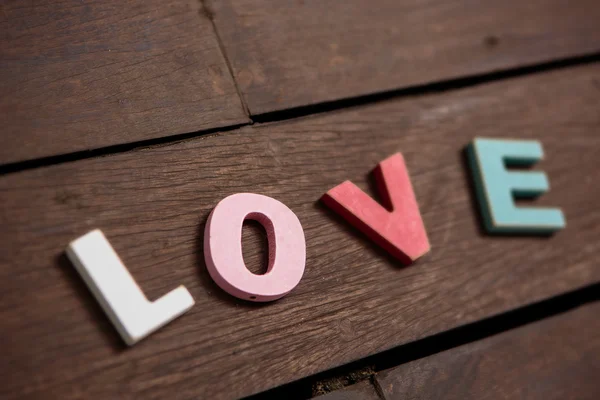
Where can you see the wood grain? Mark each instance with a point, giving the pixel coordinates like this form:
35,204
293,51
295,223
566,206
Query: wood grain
360,391
556,358
353,301
79,75
291,53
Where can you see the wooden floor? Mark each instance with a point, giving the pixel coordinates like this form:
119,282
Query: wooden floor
556,358
137,117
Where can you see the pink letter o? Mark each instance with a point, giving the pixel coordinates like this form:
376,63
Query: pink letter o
223,247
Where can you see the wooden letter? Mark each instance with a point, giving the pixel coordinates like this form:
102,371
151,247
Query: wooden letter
398,227
496,187
223,247
115,289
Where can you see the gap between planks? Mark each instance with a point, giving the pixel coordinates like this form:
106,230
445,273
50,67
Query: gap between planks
470,333
294,113
209,14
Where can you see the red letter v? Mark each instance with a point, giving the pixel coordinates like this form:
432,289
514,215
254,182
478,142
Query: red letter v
400,231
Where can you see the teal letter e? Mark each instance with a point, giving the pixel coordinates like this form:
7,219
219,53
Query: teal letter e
496,186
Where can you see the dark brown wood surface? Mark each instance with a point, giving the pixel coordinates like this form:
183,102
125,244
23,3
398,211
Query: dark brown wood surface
290,53
78,75
353,300
360,391
554,359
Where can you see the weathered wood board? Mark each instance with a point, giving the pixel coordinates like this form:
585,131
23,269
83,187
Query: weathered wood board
556,358
80,75
292,53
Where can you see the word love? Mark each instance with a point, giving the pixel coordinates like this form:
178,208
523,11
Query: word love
396,225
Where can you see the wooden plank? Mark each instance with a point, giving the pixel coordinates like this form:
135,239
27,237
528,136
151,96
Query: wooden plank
556,358
353,300
291,53
78,75
360,391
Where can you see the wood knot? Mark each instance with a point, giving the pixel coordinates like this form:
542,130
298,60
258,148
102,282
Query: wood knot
491,41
